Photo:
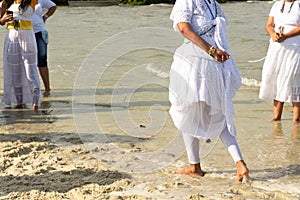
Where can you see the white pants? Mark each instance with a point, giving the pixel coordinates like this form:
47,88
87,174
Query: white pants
192,146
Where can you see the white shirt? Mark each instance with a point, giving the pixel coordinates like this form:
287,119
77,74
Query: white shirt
206,19
289,19
37,18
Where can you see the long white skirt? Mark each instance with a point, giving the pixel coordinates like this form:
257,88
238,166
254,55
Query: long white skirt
281,73
201,91
21,78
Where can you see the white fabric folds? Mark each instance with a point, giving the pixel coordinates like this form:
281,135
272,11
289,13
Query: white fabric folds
281,73
201,92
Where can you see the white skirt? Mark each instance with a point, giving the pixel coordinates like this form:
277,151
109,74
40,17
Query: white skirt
21,78
201,91
281,73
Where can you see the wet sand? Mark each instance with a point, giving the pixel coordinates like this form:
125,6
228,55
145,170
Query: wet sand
43,157
73,149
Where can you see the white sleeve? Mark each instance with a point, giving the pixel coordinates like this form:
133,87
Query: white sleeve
182,12
47,4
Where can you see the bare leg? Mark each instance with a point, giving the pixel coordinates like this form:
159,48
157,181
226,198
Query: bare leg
278,107
44,72
296,112
295,132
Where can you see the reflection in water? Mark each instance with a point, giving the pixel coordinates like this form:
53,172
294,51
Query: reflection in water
46,104
277,128
295,132
278,131
10,116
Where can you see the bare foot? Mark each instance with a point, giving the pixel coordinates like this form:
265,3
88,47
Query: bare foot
46,93
20,106
35,108
242,171
192,170
275,119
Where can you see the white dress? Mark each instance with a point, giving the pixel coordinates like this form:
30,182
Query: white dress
281,69
201,89
21,78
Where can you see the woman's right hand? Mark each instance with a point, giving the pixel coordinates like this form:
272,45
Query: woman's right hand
6,18
275,36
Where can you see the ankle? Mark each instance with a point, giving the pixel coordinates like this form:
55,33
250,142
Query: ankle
276,118
242,167
195,167
296,121
241,163
35,107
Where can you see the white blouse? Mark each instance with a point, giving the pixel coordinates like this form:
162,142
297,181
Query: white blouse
289,19
206,19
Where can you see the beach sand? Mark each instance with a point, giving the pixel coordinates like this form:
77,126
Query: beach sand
76,150
43,157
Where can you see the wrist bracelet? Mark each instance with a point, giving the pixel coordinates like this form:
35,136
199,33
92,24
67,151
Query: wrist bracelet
211,51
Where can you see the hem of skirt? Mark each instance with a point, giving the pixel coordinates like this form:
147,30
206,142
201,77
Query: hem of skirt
185,105
228,122
279,99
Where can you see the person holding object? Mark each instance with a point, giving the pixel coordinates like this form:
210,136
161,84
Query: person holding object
281,69
203,81
41,35
21,79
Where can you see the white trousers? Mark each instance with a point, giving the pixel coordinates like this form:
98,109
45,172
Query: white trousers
192,146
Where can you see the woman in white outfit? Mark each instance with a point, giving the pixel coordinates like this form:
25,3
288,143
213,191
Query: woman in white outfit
203,81
21,79
281,70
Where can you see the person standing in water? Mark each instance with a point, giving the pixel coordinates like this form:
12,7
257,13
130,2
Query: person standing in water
281,69
203,81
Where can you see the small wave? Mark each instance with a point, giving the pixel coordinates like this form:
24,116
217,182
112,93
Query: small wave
245,81
160,4
250,82
158,72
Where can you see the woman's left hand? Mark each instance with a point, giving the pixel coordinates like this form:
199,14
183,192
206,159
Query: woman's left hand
221,56
281,38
